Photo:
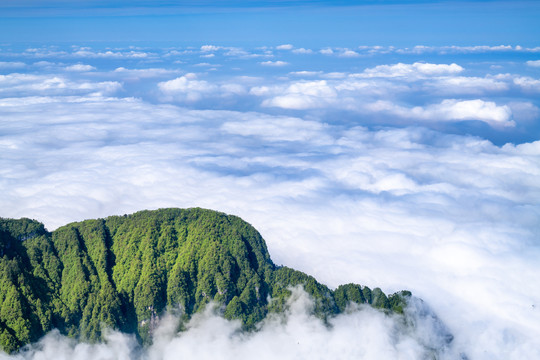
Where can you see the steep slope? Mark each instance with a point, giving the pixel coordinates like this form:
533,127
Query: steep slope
123,272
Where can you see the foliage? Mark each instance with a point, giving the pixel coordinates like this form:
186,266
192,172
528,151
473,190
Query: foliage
123,272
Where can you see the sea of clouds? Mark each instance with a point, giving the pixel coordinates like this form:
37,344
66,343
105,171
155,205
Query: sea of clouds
403,168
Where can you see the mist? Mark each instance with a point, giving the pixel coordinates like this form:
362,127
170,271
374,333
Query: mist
360,332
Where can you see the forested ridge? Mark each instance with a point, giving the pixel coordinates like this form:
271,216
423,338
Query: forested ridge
123,272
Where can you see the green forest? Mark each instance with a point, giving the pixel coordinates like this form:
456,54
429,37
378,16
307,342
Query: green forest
123,272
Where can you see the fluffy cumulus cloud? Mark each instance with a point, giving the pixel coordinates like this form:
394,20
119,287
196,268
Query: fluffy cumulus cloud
362,96
467,85
396,90
274,63
80,67
209,48
348,53
326,51
284,47
527,83
416,69
302,51
187,86
450,110
304,95
357,174
16,84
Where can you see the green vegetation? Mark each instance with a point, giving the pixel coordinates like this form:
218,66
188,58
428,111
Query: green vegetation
123,272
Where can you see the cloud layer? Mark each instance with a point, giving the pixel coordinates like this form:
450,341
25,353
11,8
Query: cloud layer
420,173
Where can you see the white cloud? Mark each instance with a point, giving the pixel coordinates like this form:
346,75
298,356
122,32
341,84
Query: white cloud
351,93
441,194
44,64
261,90
418,49
272,128
348,53
44,52
243,54
27,85
306,73
377,207
483,48
143,73
205,64
487,111
416,69
437,69
233,51
80,67
274,63
534,63
285,47
527,83
12,64
303,95
312,88
466,85
131,54
524,111
302,51
451,217
294,101
335,75
454,49
187,87
450,110
232,89
209,48
327,51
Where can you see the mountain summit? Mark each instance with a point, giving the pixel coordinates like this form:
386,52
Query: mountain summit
123,272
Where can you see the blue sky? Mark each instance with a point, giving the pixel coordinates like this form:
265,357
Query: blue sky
398,23
392,144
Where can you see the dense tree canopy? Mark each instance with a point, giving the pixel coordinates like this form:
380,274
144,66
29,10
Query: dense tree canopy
123,272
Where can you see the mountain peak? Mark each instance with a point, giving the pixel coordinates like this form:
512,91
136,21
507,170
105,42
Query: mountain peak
124,272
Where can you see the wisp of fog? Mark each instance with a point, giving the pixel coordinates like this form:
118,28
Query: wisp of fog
361,332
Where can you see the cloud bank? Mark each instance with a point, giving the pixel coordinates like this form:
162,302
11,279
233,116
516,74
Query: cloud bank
417,173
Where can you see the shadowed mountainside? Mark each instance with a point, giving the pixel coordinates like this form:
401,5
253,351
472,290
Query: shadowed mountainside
123,272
